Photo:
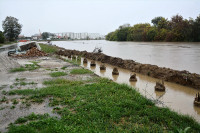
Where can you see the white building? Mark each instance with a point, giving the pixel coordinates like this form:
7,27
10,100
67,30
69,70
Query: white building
80,36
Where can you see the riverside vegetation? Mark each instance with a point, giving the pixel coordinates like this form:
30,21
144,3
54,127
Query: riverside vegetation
174,30
96,105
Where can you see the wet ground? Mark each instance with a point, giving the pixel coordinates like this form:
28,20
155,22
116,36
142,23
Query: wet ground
15,106
177,97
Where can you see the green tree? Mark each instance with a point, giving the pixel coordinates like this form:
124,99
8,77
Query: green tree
151,34
156,20
2,38
196,29
108,36
163,24
122,34
45,35
138,32
161,35
179,27
12,28
176,29
113,36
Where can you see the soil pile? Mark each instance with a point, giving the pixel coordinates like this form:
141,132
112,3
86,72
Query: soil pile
33,52
180,77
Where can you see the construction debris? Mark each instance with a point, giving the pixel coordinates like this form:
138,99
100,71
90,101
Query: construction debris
85,60
97,50
197,100
160,86
92,63
133,78
74,57
115,71
102,67
27,46
33,52
180,77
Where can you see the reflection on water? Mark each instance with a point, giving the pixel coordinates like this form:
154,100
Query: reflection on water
102,72
92,67
178,98
85,64
178,56
115,77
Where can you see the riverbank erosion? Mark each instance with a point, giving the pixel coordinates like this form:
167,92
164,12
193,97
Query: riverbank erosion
49,94
180,77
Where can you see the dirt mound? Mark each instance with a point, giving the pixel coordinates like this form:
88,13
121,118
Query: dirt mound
33,52
180,77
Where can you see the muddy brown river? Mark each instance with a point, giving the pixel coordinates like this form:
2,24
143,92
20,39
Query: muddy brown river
178,56
176,97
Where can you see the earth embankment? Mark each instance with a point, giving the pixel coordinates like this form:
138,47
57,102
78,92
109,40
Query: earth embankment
180,77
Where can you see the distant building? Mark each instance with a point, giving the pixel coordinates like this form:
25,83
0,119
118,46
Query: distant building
36,37
79,36
21,37
71,36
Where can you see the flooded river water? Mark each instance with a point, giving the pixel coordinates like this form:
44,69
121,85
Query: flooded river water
176,97
178,56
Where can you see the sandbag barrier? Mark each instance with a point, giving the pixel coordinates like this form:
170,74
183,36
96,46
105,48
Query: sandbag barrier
179,77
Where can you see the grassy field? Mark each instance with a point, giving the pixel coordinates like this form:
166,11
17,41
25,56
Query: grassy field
48,48
80,71
57,74
7,43
27,67
100,106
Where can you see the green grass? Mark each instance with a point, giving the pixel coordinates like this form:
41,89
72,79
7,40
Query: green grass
31,117
63,68
74,62
57,74
7,43
19,69
15,101
80,71
103,106
48,48
2,86
27,67
12,107
4,99
21,82
20,79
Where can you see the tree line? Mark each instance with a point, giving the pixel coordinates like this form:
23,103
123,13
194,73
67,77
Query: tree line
174,30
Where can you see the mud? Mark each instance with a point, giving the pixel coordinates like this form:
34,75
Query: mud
7,63
180,77
197,100
33,52
133,78
9,112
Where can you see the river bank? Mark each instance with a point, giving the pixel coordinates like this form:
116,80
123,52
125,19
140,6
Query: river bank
180,77
57,96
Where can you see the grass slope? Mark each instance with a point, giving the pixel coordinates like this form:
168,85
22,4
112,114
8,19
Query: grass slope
80,71
48,48
102,106
28,67
57,74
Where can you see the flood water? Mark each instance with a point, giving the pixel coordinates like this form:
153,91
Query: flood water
178,56
177,97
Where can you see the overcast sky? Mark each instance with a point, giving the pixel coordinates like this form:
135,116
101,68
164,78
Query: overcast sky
94,16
